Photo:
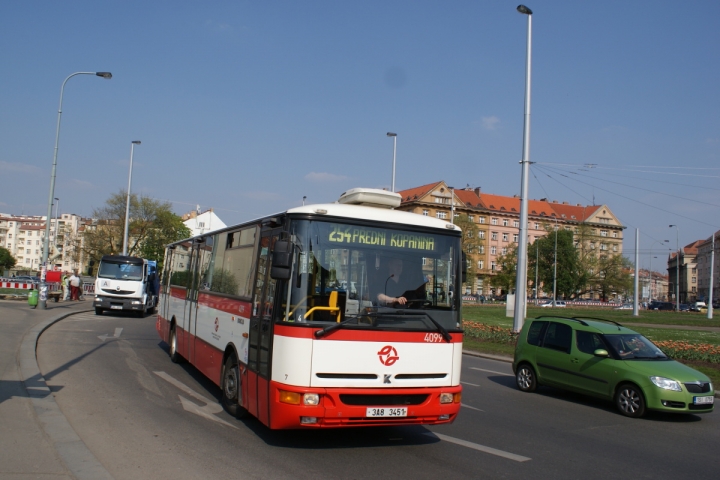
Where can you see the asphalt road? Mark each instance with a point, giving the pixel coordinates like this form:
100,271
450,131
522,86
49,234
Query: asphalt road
145,417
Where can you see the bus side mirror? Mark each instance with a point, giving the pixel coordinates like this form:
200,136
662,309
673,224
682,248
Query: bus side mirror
464,268
281,260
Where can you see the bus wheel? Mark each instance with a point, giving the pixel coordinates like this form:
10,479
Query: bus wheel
232,388
175,357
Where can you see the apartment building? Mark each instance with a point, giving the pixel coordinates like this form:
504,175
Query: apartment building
688,273
23,236
498,220
703,268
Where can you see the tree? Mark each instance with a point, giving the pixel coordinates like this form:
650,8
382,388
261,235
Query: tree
506,273
7,261
152,225
613,275
470,243
572,277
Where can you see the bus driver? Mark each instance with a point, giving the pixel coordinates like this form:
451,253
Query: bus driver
399,288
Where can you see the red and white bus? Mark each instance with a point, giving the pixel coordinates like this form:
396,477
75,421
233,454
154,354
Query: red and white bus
330,315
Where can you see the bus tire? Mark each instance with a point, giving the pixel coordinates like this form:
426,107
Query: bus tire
175,357
232,388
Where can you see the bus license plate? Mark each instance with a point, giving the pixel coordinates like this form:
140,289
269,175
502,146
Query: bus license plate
386,412
703,400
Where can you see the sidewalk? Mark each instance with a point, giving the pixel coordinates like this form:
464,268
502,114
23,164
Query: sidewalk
36,441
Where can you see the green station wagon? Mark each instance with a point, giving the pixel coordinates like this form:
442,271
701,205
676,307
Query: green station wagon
604,359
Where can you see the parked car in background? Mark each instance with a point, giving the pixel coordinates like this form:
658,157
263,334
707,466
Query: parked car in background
698,306
25,279
558,304
684,307
603,359
661,306
624,306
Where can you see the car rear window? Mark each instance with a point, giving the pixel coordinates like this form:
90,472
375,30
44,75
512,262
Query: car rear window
535,332
558,337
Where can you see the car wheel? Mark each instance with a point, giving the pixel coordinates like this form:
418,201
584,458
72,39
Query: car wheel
175,357
525,378
232,388
98,311
630,401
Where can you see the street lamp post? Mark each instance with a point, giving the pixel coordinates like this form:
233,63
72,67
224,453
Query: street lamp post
394,137
677,267
57,208
127,203
42,303
304,197
712,266
555,267
537,260
521,277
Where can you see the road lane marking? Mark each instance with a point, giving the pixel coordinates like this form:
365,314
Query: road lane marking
465,405
471,384
117,333
207,411
493,371
480,448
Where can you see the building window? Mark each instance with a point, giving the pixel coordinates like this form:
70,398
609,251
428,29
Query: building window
28,251
694,279
694,289
694,270
592,246
481,219
505,237
493,236
493,221
505,222
481,264
614,234
615,248
537,226
441,214
515,237
481,233
603,246
471,218
493,250
481,249
516,224
603,233
493,266
504,250
426,212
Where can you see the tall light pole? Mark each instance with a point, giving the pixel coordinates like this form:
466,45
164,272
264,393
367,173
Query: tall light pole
42,303
555,267
57,208
304,197
127,203
537,260
651,279
677,267
394,137
521,277
712,266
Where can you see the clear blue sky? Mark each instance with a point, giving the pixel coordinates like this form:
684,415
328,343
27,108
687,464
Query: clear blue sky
247,106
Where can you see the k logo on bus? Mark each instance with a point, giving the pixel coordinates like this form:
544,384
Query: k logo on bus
388,355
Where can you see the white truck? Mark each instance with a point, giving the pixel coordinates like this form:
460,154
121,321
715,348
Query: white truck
126,284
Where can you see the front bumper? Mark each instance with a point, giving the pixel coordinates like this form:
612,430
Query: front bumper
115,303
677,402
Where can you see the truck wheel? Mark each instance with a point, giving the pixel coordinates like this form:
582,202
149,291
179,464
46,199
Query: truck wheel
232,388
98,311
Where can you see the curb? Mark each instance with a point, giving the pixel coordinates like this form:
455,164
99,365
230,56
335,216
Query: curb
72,451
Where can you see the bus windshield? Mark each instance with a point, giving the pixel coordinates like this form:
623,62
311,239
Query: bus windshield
373,277
120,271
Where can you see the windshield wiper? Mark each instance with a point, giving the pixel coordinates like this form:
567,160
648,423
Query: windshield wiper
323,331
445,334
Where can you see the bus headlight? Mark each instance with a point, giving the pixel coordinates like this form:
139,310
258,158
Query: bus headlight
311,399
446,398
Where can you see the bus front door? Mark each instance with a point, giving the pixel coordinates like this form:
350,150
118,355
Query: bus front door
261,332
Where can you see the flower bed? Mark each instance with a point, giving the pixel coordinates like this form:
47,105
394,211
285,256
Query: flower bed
688,351
489,333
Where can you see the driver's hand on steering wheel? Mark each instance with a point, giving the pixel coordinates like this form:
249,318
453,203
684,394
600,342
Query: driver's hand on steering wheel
401,300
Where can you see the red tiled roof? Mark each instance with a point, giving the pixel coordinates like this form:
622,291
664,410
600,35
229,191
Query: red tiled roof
417,192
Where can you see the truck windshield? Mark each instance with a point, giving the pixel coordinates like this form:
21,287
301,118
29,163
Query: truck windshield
372,277
120,271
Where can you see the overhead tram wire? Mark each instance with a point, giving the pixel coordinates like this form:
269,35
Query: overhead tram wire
638,188
638,201
548,196
595,166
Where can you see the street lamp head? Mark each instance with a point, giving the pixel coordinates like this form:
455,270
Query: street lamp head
670,226
105,75
57,199
136,142
524,10
390,134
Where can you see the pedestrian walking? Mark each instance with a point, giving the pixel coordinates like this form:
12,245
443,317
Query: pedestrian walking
74,287
66,286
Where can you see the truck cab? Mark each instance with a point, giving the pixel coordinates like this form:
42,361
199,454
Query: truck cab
126,284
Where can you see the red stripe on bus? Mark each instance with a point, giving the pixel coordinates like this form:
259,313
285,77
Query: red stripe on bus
360,335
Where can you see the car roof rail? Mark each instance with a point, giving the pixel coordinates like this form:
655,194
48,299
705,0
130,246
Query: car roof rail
564,318
601,320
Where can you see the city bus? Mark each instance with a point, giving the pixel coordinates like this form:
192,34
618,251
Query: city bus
323,315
